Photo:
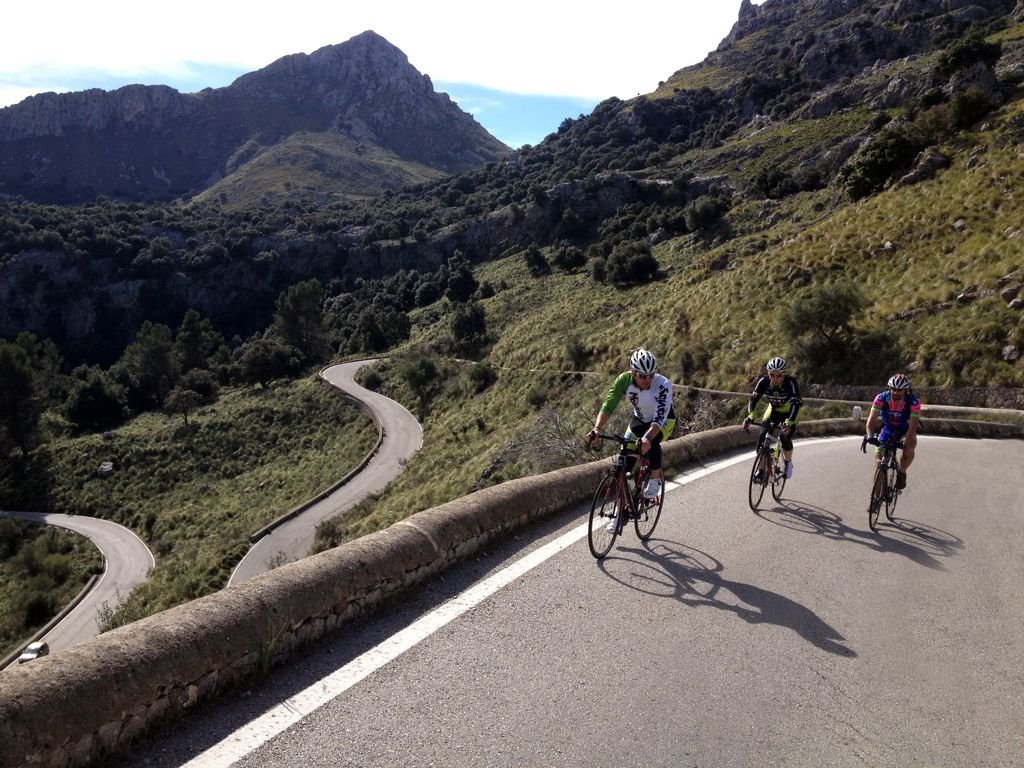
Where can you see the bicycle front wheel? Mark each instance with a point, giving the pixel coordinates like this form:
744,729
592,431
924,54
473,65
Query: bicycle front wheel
778,476
758,479
604,517
648,514
878,493
892,495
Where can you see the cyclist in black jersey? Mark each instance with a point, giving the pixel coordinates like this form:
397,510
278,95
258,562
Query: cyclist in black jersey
780,390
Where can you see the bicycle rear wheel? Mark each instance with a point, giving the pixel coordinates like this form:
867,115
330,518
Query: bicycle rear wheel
758,479
778,476
878,493
648,515
604,510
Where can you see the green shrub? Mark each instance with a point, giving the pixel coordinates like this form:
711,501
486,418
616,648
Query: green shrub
703,212
828,347
775,183
38,609
264,360
631,263
202,383
372,380
890,153
536,397
568,258
969,50
579,355
536,264
423,378
482,376
469,327
968,107
95,403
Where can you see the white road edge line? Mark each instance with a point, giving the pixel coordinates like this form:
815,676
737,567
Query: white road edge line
282,716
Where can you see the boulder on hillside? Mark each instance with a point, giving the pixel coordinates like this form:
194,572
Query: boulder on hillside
928,163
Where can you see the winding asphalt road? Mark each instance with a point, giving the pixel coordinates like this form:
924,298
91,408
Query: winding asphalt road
128,562
793,636
403,436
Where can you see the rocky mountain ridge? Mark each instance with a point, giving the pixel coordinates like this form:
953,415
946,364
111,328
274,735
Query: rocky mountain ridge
154,143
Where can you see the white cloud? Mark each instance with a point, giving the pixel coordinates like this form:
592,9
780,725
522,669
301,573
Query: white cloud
10,94
590,49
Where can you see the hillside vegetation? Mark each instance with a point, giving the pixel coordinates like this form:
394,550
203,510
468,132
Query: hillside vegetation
315,165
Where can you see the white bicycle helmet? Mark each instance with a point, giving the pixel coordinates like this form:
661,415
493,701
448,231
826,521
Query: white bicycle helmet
899,381
643,361
776,364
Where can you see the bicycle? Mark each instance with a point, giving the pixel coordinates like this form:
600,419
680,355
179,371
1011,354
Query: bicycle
883,486
616,502
769,467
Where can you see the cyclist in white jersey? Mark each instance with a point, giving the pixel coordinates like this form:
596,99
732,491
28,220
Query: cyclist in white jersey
654,418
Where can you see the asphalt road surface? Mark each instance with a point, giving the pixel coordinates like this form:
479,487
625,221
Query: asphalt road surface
294,539
789,637
128,563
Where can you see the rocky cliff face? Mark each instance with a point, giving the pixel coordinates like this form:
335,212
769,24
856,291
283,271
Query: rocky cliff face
152,142
841,53
61,114
830,38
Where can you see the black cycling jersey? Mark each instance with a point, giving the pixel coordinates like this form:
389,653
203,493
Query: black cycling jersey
787,391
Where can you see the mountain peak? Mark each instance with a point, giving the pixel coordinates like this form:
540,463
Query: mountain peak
151,142
361,57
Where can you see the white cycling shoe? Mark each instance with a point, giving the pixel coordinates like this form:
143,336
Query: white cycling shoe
652,489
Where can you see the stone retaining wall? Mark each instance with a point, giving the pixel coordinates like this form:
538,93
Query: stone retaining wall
965,397
83,703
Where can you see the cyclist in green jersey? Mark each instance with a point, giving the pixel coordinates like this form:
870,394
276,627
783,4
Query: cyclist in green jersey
654,418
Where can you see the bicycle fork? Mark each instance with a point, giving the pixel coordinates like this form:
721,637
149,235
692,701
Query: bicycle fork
768,465
770,449
621,506
778,468
632,506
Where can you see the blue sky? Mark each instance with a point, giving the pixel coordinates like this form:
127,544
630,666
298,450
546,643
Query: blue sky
518,71
514,118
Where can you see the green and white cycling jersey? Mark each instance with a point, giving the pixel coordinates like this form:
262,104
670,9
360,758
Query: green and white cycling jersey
652,405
